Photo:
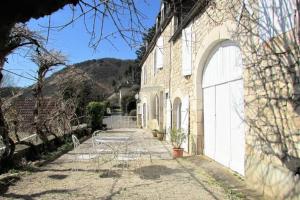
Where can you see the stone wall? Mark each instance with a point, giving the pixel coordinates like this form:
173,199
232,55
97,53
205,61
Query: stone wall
271,93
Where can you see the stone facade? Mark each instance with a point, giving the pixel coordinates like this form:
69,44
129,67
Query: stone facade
271,91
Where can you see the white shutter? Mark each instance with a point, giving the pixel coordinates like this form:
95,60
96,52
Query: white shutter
185,121
159,52
168,120
187,50
139,109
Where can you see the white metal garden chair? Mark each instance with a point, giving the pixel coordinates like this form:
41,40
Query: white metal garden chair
76,144
82,155
130,157
102,154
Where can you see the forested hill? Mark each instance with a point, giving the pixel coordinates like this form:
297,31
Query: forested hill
101,77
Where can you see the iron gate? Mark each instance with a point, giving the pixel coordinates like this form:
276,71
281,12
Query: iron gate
119,121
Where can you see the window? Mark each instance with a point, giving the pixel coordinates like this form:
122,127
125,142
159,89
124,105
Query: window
186,50
157,23
157,108
175,23
162,13
158,54
276,17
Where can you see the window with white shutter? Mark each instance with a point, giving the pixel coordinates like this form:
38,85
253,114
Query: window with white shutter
159,52
276,17
162,13
186,51
185,121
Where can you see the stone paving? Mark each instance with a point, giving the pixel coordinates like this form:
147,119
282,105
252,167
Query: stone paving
154,175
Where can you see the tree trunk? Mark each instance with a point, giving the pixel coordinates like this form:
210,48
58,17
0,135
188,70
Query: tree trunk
4,133
38,123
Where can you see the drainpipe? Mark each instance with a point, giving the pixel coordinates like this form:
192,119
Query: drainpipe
170,77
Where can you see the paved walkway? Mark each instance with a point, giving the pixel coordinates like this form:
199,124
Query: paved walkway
154,175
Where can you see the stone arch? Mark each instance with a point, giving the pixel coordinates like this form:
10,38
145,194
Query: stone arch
217,87
216,36
152,106
144,110
157,108
176,122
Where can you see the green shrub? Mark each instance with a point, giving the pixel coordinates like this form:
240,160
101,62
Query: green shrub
177,138
95,111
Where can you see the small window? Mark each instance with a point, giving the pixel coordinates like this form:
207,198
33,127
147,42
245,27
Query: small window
158,54
162,13
186,50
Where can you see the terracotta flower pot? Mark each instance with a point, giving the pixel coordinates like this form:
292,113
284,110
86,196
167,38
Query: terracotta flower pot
160,136
177,152
154,133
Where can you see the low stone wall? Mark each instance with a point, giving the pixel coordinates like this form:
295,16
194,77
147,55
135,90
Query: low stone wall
30,153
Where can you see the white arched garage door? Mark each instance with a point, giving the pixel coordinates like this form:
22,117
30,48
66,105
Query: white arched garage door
224,136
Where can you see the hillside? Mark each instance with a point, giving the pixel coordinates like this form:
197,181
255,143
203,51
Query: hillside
101,76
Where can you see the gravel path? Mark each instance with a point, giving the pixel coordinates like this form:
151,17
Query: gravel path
152,174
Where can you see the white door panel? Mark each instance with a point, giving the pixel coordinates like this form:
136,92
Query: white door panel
222,124
185,122
209,122
224,139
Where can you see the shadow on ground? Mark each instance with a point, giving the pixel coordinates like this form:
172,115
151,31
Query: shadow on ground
58,176
6,182
155,171
35,195
109,174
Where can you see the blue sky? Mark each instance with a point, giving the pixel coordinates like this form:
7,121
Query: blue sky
73,40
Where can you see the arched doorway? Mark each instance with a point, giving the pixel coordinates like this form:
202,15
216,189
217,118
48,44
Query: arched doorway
181,118
131,105
144,122
176,113
224,135
156,108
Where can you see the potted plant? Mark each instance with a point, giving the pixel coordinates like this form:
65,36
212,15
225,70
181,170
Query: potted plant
177,138
160,135
154,132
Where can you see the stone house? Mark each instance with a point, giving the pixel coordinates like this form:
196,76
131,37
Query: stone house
227,73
